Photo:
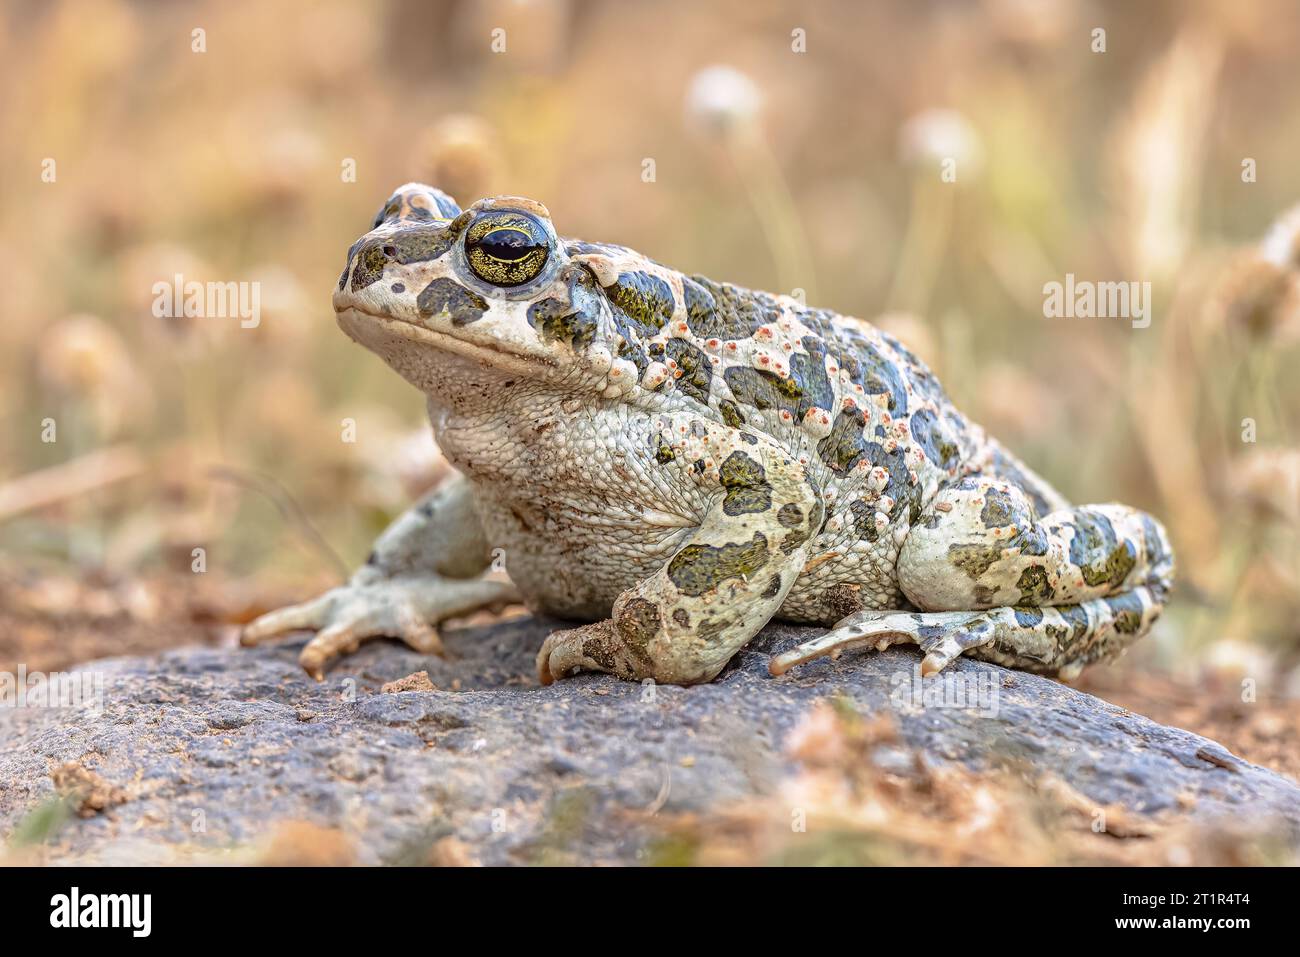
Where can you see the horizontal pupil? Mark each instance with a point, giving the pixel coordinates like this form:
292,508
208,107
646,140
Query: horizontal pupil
506,244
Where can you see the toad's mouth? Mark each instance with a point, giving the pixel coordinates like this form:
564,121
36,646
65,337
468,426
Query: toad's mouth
376,331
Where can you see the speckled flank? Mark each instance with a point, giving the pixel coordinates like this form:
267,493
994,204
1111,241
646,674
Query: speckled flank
682,459
723,583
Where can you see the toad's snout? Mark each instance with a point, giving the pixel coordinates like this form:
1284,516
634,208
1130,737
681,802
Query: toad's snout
402,246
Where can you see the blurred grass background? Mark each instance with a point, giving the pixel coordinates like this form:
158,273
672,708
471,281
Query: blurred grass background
817,170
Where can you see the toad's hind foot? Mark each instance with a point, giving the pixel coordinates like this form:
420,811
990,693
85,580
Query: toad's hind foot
1057,640
941,635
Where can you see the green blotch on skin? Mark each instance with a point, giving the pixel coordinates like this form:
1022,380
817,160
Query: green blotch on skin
663,451
806,387
999,510
447,297
1120,562
730,413
699,306
816,514
906,496
556,320
1127,608
574,321
790,515
697,569
1028,616
1077,619
645,299
710,629
632,351
697,371
1032,540
864,520
1102,558
764,390
876,374
369,267
844,446
932,436
793,541
417,244
746,484
1035,588
974,560
719,310
638,623
1153,546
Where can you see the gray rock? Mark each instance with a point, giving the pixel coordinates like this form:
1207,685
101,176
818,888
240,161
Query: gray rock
241,739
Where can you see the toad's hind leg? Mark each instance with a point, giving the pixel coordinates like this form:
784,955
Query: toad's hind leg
1048,594
1058,640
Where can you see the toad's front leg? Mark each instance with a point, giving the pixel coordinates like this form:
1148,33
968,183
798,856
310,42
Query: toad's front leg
683,623
424,568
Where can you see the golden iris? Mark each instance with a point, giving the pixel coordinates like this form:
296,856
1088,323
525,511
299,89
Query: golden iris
506,248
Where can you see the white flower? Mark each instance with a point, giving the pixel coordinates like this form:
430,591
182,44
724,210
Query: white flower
933,136
1281,246
721,98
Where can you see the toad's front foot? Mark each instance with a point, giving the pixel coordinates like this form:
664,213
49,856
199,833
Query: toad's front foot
408,608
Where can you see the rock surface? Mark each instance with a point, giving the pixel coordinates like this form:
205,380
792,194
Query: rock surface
216,748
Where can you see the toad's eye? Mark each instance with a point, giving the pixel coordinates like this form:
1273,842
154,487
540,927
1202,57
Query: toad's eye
506,248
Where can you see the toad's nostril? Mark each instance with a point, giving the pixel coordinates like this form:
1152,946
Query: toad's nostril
390,251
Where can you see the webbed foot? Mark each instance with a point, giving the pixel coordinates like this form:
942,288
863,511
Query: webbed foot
404,608
943,636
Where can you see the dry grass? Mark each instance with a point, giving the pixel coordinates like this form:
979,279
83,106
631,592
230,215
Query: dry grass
861,797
